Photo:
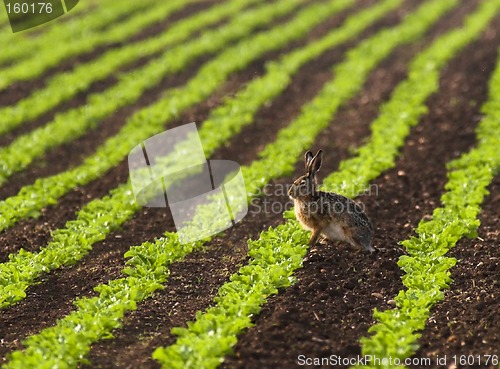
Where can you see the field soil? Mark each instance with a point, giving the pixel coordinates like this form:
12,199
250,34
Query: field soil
330,306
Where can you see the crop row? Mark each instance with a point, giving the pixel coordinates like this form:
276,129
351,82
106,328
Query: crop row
101,216
79,27
64,86
23,150
148,264
51,53
279,251
426,266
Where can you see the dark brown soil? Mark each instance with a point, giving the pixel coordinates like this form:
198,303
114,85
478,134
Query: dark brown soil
330,307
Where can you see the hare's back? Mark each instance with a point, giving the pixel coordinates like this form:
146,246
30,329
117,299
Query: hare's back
341,207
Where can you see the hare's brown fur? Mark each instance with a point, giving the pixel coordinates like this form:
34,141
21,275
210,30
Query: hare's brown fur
328,214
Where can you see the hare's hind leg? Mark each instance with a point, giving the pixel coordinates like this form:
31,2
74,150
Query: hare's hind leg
363,240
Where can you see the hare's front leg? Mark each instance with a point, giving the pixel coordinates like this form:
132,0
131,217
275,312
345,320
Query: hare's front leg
314,237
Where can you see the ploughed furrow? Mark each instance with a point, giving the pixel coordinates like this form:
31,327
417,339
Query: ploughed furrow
466,322
52,53
280,250
304,320
101,216
26,148
426,267
62,87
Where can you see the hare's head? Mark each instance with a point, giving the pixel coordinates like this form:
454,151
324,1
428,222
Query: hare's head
305,186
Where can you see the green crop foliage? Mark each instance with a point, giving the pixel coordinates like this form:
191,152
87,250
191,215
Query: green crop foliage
26,148
426,267
16,47
51,52
65,344
64,86
98,218
279,252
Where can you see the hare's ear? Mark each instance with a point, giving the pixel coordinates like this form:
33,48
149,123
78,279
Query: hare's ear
316,161
308,157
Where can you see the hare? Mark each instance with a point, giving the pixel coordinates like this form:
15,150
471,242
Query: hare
327,214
